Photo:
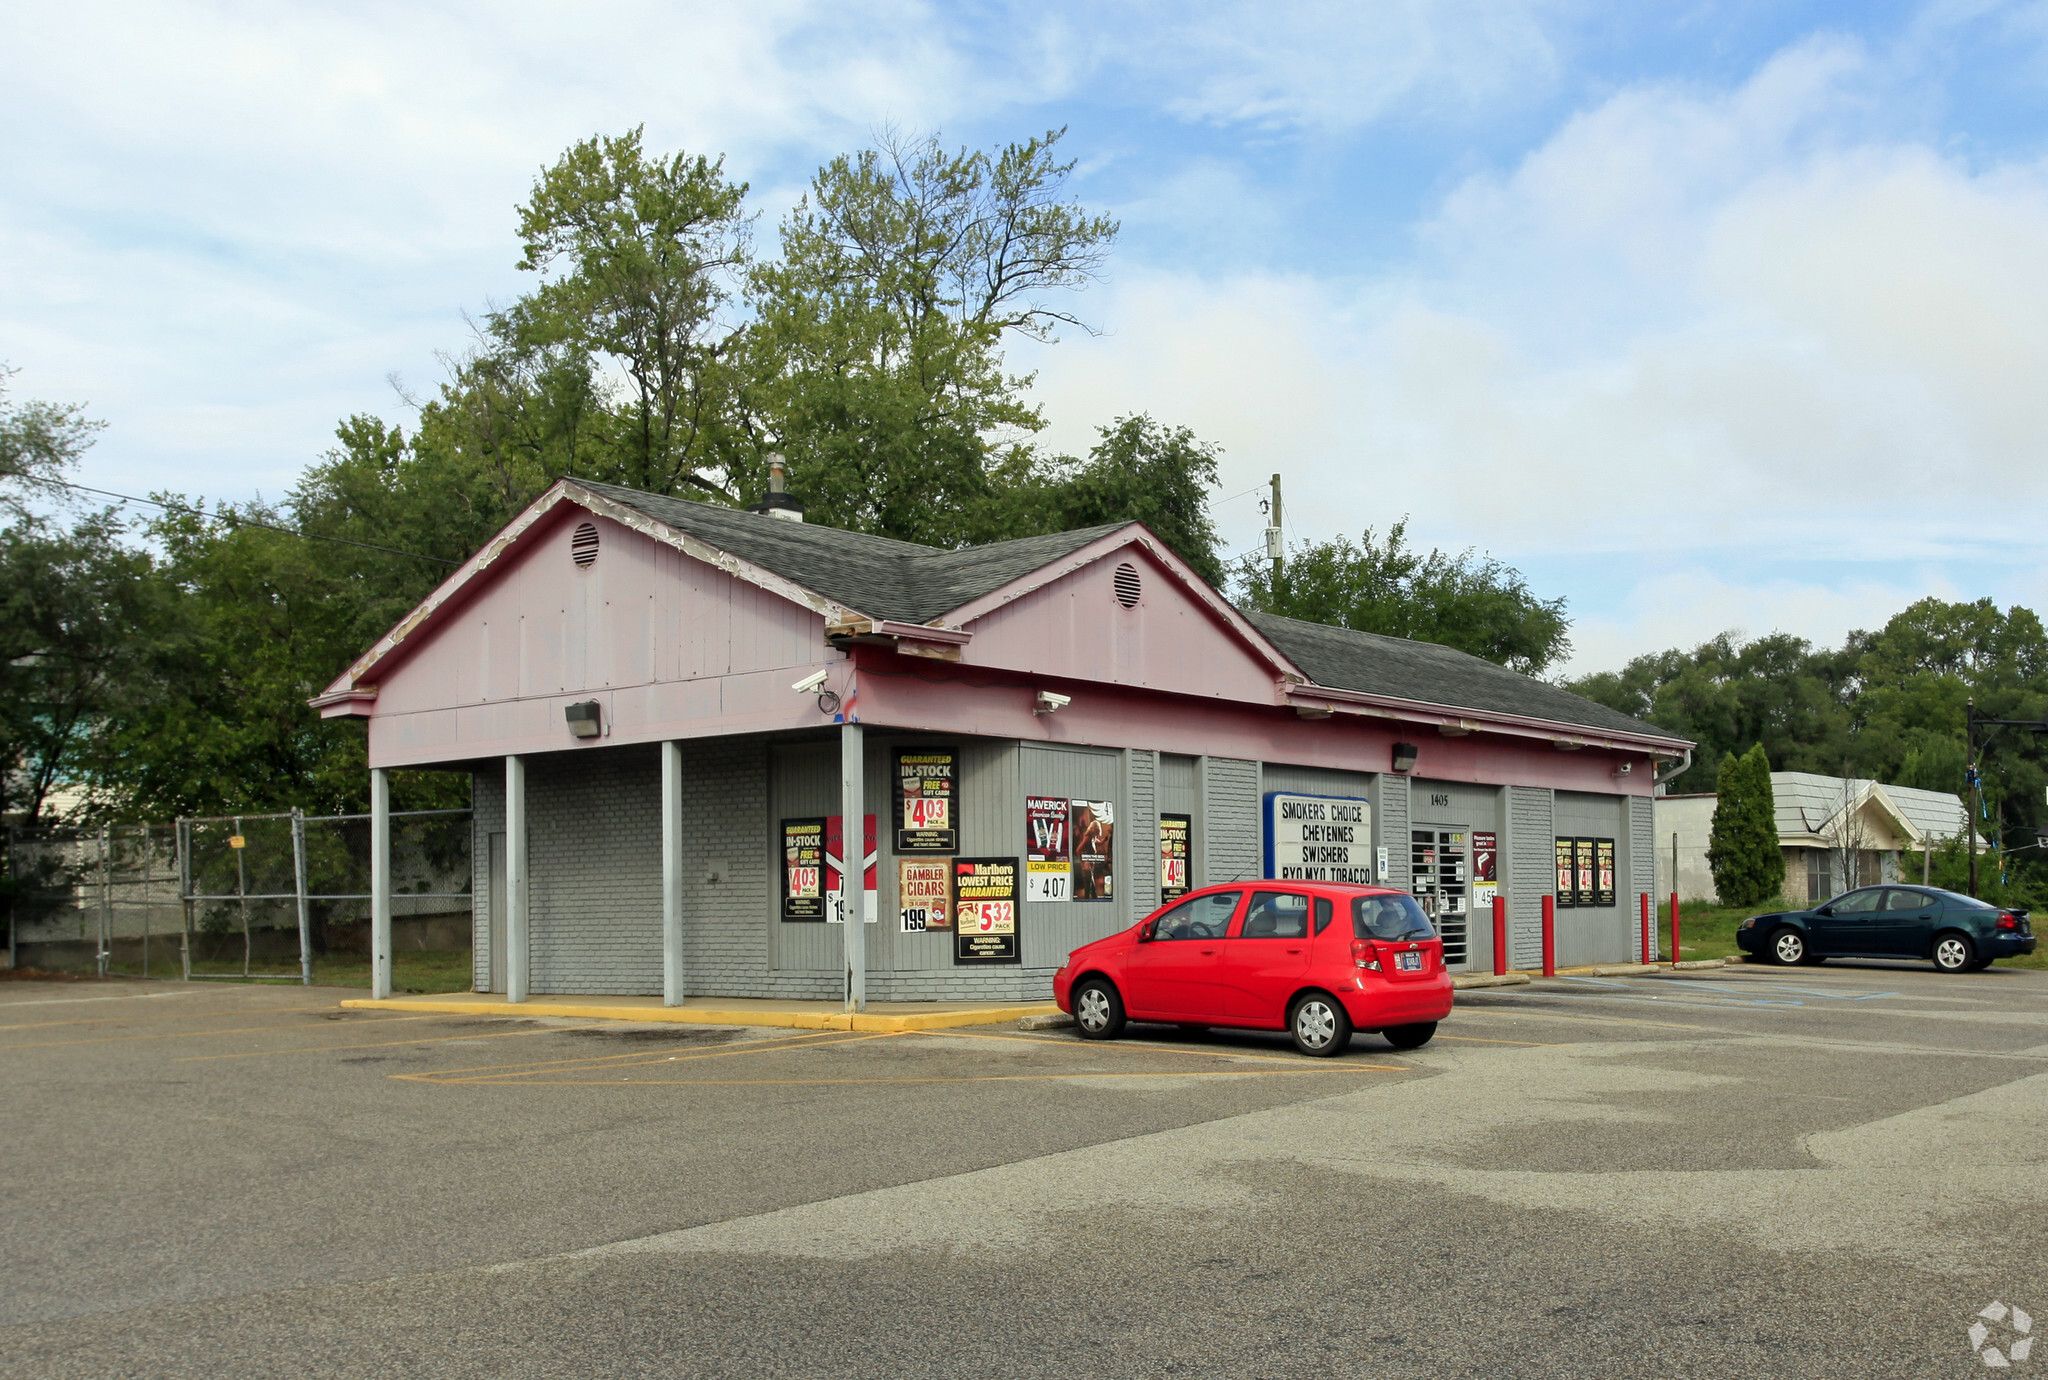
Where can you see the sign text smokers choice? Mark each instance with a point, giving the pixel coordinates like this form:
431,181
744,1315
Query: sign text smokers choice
1318,838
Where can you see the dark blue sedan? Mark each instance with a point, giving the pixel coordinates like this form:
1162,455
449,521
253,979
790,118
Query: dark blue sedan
1954,932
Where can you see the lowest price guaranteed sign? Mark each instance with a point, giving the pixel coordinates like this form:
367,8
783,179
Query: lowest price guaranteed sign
985,911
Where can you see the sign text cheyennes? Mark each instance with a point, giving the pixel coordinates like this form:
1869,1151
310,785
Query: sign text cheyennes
927,779
1318,838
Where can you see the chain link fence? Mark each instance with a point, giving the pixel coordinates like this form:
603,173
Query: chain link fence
237,896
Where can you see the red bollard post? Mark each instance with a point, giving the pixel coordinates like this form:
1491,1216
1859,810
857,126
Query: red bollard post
1550,936
1649,940
1500,935
1674,927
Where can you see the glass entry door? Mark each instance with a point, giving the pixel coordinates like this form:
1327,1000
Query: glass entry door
1437,862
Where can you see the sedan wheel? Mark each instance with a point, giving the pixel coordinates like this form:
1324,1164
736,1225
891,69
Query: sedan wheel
1788,946
1098,1011
1320,1025
1953,953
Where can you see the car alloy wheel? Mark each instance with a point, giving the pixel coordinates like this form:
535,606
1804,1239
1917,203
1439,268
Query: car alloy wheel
1320,1026
1098,1012
1954,954
1788,946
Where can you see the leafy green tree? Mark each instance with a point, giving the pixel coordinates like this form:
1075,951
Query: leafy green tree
876,358
1384,585
1743,848
640,258
39,442
1141,470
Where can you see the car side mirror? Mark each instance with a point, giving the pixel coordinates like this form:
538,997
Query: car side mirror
1824,910
1145,931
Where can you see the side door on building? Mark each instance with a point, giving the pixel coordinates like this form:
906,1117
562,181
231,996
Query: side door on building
1849,925
1177,973
1264,960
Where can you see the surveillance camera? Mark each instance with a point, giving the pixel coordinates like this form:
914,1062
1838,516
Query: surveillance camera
1049,703
1624,768
814,681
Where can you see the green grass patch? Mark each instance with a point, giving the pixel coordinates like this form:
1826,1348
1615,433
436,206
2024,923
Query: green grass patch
419,970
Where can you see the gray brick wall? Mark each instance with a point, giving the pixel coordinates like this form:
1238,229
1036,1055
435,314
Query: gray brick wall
487,795
594,831
1531,871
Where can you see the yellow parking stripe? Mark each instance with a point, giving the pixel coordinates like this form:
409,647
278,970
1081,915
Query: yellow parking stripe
386,1044
176,1035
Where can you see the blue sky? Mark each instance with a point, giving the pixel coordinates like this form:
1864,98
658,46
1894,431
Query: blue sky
1706,316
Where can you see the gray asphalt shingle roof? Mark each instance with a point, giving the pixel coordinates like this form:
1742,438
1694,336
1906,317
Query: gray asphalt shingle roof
888,579
879,576
1434,674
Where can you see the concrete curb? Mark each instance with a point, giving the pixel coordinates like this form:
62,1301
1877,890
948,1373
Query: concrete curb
1461,981
1692,963
1049,1020
705,1015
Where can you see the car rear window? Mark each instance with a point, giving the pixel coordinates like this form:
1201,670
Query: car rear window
1389,917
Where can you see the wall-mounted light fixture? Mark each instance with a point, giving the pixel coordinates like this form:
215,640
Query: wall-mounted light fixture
1404,756
1049,702
586,720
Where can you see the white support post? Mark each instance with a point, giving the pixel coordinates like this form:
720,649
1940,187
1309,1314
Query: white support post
852,863
671,874
380,884
515,879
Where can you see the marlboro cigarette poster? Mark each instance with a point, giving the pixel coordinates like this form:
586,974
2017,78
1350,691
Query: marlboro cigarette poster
985,911
924,894
835,899
803,869
1094,827
1048,860
1174,834
926,778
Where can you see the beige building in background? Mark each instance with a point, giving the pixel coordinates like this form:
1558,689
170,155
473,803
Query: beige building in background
1837,832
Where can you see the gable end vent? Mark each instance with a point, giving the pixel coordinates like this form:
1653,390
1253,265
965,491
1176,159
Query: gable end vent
583,546
1127,585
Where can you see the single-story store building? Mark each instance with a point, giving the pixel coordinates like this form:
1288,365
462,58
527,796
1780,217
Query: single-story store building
1837,832
669,707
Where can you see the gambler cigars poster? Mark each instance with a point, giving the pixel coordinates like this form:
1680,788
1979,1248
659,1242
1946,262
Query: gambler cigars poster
926,782
985,911
924,890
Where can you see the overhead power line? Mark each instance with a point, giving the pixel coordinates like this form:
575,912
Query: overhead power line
240,521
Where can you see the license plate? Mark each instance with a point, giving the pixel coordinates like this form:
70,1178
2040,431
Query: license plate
1408,963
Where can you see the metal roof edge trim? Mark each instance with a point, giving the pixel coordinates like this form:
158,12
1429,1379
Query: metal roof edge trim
1522,726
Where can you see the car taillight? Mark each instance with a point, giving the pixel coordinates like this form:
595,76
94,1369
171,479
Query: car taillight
2008,922
1364,955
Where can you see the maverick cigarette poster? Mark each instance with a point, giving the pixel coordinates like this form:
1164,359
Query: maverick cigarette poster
924,894
985,911
1048,862
1174,832
803,869
835,899
1094,849
925,781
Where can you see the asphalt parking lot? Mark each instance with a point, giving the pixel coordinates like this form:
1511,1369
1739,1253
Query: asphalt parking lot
1755,1172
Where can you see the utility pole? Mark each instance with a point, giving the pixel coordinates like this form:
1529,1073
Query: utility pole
1275,546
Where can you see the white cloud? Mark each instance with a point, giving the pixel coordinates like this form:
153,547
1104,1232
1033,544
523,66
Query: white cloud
1709,324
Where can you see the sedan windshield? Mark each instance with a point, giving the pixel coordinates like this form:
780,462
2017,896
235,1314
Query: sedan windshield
1389,917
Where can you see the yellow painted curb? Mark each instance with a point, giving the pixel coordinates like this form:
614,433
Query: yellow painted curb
705,1015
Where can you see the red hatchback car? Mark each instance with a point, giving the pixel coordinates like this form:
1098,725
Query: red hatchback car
1318,960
